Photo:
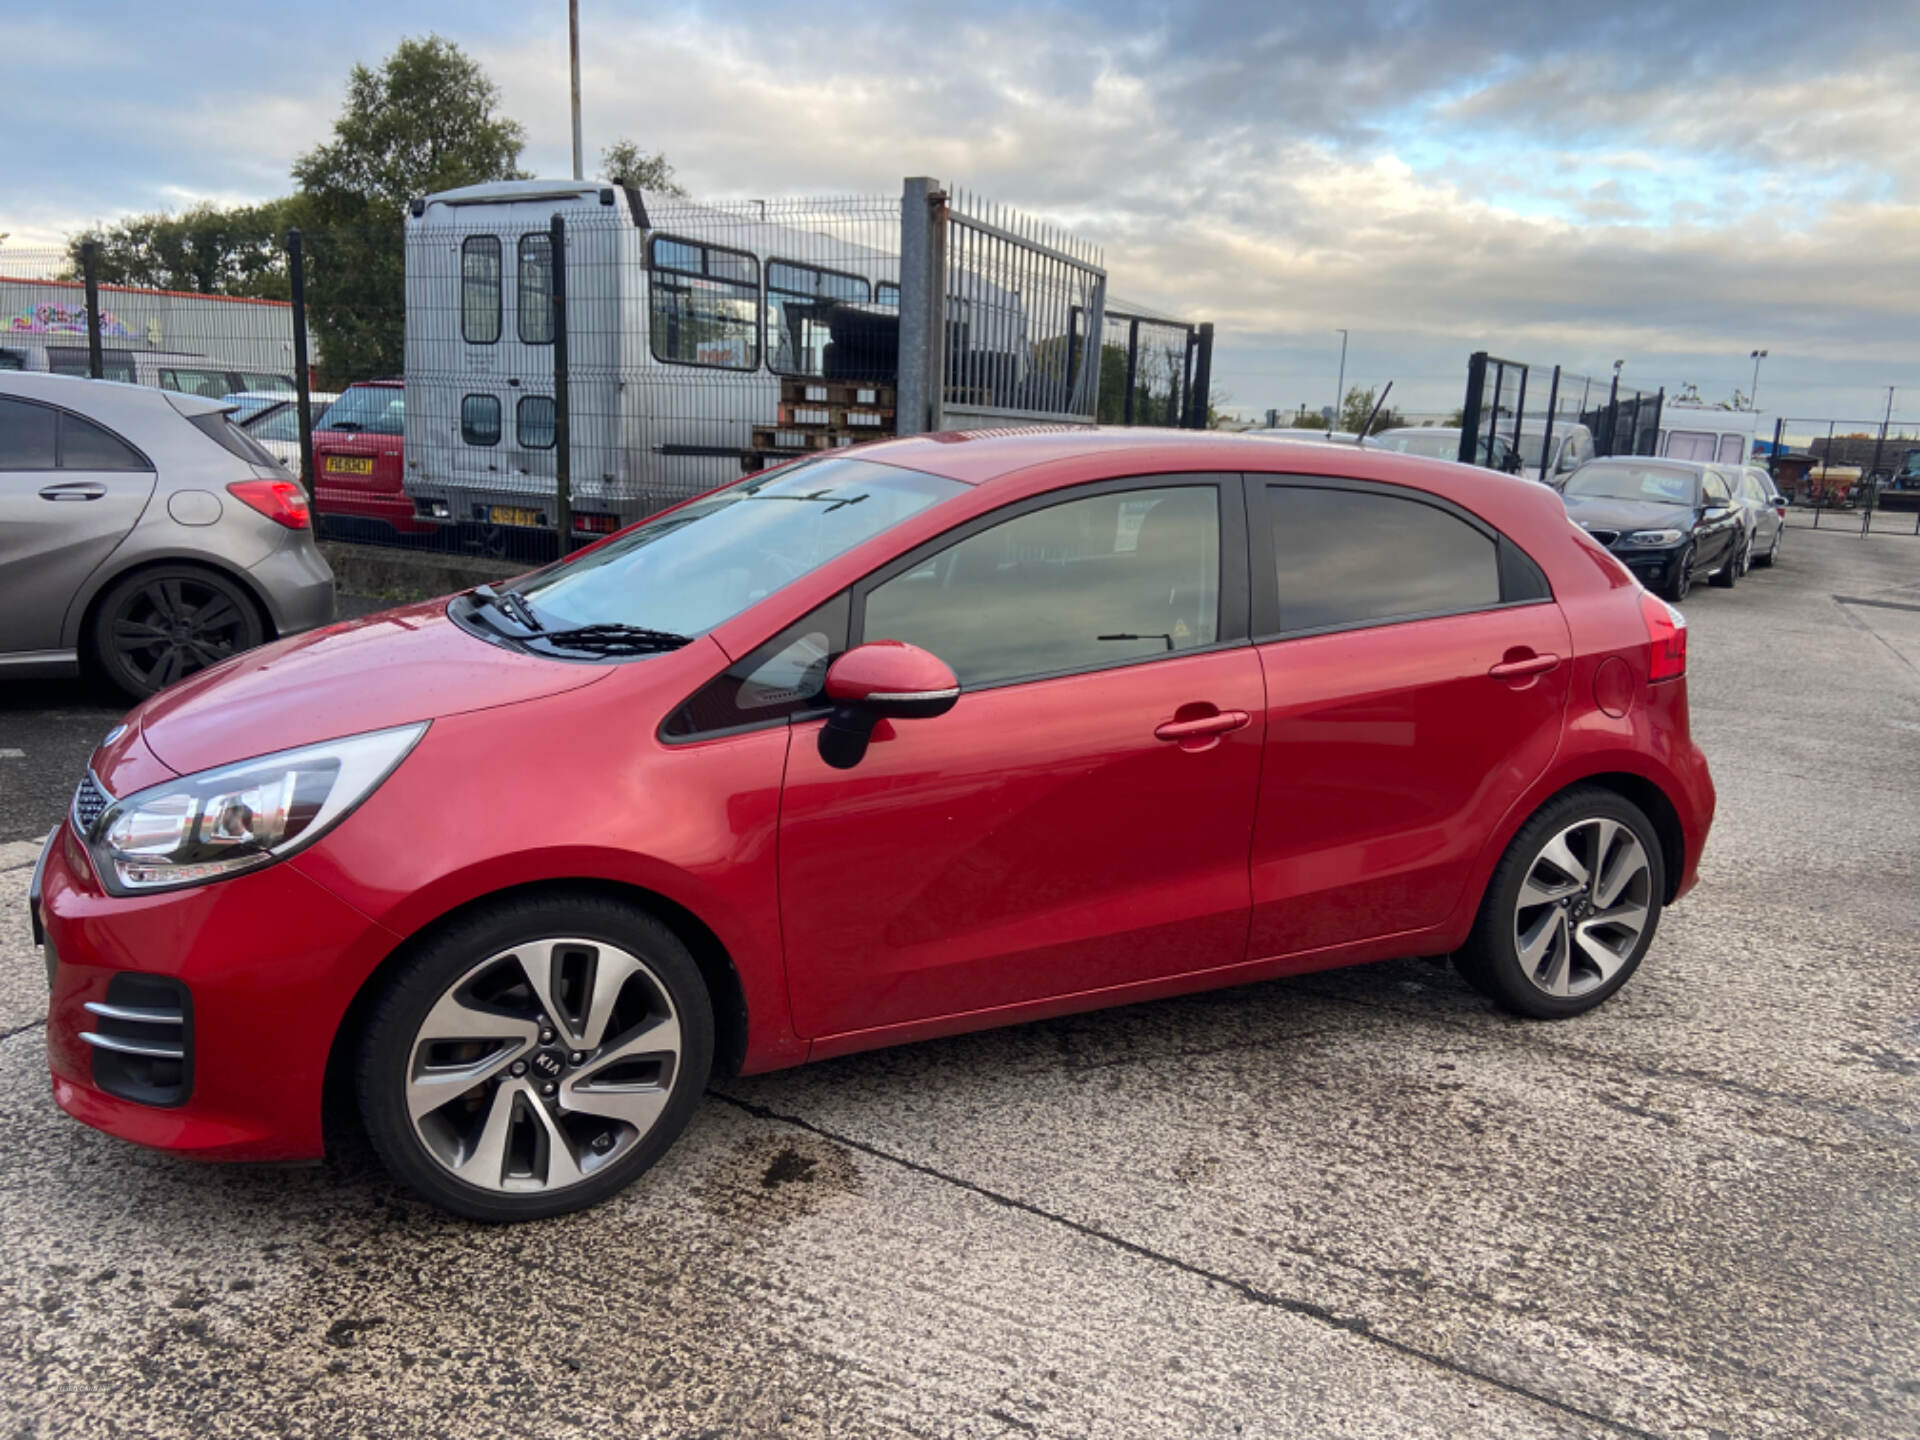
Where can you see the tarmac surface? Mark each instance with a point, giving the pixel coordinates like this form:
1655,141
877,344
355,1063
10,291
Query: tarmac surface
1359,1204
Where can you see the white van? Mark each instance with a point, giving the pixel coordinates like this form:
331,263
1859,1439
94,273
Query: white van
1713,433
682,321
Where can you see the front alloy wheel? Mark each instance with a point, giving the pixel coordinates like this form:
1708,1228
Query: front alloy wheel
1571,908
545,1075
160,625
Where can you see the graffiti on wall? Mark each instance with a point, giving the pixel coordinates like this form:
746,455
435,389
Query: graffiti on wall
53,318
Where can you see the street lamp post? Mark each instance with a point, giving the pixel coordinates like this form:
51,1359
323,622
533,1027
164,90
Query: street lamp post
1339,386
573,55
1753,391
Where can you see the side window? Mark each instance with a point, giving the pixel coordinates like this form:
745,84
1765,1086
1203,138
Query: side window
534,293
1356,557
1716,487
86,446
706,304
282,425
887,293
799,300
1126,575
786,675
1733,449
533,422
210,383
26,436
480,289
12,360
480,420
1690,445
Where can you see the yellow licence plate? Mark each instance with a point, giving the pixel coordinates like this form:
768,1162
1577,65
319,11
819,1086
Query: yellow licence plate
349,465
513,515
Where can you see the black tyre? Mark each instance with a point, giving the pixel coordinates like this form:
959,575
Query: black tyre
1765,560
159,625
1680,580
1571,908
535,1057
1731,569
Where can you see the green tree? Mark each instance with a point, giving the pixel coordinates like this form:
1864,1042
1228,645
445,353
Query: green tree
625,162
206,250
427,119
1305,419
1358,405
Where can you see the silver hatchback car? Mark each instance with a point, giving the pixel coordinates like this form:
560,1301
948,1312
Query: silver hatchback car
143,536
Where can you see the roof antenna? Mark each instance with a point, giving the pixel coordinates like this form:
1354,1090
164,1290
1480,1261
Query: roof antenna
1367,429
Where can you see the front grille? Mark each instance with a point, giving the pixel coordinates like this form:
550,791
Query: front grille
1605,537
90,802
143,1039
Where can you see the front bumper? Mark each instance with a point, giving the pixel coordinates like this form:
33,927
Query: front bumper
1652,568
271,961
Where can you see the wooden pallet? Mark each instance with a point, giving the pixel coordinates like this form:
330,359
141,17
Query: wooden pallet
837,392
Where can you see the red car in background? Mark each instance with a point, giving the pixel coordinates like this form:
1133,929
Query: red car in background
358,462
948,732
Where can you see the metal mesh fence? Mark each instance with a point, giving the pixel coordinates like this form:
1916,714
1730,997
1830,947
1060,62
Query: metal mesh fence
1543,421
1864,468
465,391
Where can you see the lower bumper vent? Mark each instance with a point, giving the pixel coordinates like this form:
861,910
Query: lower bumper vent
142,1040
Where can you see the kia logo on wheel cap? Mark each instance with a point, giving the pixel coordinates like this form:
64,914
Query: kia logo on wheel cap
548,1063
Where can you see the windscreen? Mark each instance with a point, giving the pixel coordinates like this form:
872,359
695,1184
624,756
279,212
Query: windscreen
1659,484
700,564
1435,444
367,409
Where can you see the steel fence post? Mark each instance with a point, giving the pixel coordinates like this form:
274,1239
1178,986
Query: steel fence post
562,399
90,272
923,287
302,377
1470,411
1553,405
1520,414
1773,460
1133,368
1203,377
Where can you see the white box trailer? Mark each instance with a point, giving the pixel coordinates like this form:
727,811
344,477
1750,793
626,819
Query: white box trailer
682,321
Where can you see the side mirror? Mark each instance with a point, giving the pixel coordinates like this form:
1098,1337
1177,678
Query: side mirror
881,680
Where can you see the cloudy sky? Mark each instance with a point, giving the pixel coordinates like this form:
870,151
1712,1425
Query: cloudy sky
1671,185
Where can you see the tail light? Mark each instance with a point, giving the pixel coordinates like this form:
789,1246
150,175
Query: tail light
586,522
281,501
1666,638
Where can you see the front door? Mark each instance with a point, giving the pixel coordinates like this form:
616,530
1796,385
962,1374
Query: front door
1416,679
1081,818
69,493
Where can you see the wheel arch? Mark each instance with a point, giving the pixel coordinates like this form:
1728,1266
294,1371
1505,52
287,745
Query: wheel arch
339,1115
1654,803
105,578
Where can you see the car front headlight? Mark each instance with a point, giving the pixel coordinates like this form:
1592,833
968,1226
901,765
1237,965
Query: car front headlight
1654,537
236,818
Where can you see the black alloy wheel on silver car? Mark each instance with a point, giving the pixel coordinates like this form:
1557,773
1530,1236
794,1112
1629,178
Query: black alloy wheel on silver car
535,1057
159,625
1571,909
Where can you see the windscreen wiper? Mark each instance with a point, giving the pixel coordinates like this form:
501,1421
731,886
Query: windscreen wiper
614,639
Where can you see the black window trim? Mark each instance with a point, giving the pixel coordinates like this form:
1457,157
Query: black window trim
1518,571
545,237
1231,619
145,467
838,607
759,299
499,284
1231,622
499,416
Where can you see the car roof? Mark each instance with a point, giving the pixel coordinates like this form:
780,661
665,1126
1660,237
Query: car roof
102,397
375,384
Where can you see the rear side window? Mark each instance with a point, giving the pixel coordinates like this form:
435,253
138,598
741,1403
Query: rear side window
706,304
1733,449
26,436
480,420
86,446
218,427
1356,557
211,383
480,289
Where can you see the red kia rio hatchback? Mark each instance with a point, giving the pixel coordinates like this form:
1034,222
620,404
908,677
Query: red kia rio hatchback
944,733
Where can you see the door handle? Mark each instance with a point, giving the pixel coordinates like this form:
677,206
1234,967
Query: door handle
75,490
1521,669
1223,722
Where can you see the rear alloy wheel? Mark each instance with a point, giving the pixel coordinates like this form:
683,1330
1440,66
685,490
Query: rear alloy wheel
1773,548
1732,568
537,1059
160,625
1571,909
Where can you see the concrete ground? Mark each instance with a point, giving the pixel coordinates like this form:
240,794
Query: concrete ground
1361,1204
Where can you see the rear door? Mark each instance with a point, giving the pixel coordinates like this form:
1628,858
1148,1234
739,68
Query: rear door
69,492
1416,673
1050,835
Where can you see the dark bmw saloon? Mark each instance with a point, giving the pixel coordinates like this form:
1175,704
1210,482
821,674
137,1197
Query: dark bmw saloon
1668,521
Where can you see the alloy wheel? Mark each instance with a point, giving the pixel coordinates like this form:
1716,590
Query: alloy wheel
1583,907
543,1064
175,624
